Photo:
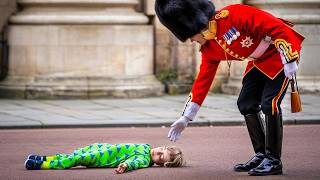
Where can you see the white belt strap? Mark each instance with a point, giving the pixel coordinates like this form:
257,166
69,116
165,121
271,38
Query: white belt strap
261,49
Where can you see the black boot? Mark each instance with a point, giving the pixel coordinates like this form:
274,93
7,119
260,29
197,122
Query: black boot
271,165
256,132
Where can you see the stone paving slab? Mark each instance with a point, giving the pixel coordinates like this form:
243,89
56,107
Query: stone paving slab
78,104
217,109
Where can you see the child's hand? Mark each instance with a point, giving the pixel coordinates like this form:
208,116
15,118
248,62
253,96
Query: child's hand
121,168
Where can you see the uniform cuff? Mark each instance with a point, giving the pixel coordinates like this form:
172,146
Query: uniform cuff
284,60
285,50
191,110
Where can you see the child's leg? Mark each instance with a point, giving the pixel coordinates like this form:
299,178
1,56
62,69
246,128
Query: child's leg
66,162
63,156
80,157
61,163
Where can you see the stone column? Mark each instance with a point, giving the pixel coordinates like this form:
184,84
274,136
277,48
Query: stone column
306,15
7,7
80,49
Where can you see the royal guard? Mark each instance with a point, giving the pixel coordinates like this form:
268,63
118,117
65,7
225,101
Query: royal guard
242,33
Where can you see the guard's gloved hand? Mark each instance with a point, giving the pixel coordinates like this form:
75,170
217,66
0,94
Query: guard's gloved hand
290,69
177,127
189,113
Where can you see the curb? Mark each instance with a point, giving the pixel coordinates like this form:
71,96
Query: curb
148,125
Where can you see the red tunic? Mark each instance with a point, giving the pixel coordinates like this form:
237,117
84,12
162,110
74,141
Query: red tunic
249,26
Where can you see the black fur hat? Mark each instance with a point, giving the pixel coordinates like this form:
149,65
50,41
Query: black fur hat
184,18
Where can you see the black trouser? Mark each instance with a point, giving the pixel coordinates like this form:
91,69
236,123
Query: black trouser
262,93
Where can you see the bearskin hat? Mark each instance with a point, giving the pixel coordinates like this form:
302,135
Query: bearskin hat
184,18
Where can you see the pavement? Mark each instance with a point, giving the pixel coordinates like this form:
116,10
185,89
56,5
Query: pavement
217,109
210,152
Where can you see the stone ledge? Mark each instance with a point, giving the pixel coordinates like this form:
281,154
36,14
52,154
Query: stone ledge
79,12
79,19
77,2
81,88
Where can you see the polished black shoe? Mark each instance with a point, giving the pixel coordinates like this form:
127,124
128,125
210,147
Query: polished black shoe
252,163
269,166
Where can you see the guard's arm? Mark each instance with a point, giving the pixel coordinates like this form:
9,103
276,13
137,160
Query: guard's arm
200,87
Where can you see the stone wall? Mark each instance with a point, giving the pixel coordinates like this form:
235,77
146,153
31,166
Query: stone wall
171,58
80,49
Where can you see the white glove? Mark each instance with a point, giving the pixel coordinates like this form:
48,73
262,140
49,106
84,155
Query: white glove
177,127
290,69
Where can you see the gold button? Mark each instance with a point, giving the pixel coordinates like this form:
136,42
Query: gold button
215,38
219,41
231,52
227,49
224,46
237,55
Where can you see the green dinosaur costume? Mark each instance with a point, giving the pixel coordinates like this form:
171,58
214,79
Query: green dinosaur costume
103,155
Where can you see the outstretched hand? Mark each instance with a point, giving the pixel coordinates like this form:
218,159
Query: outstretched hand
177,127
121,168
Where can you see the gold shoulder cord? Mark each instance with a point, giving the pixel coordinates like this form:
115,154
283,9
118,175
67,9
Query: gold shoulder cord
226,57
228,62
224,14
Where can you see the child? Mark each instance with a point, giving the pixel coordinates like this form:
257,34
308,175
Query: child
125,157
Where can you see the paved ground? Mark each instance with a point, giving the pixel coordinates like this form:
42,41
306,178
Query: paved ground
216,110
211,152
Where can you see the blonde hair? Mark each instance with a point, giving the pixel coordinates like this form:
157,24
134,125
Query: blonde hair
176,157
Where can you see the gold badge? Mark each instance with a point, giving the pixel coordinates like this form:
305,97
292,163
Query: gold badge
222,14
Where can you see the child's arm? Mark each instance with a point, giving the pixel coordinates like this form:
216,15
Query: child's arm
132,163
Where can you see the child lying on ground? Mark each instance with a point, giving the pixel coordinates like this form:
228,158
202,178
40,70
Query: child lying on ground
124,157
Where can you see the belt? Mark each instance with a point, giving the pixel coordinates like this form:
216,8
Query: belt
261,49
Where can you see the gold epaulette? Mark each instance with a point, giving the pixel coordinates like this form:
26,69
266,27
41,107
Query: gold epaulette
222,14
211,32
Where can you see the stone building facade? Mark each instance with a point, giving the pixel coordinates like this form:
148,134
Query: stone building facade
80,49
117,48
